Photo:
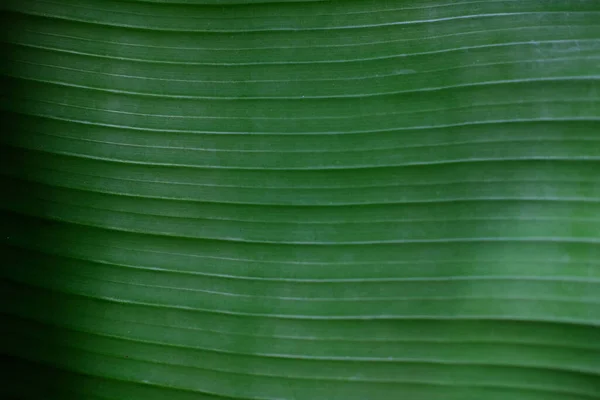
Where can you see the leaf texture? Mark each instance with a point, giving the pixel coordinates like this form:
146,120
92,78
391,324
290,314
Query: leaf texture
267,200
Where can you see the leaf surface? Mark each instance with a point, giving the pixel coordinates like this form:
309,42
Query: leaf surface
253,199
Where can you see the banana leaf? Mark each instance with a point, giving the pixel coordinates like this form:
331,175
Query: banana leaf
300,200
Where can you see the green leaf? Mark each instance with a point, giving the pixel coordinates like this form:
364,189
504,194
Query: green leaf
316,200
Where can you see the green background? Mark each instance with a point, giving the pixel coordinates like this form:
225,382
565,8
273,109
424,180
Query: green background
312,200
